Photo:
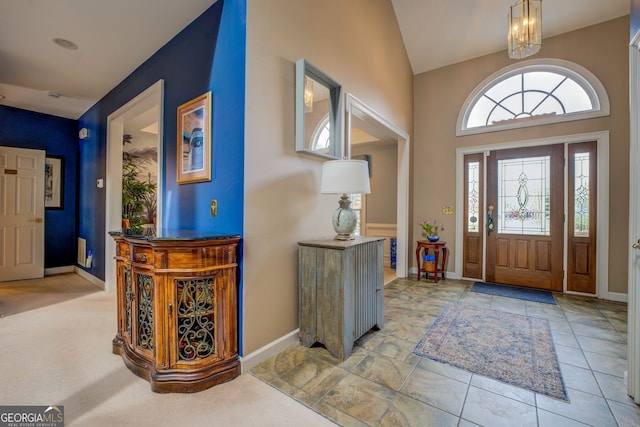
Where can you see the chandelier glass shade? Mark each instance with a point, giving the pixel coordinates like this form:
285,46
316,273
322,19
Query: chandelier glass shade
525,28
308,95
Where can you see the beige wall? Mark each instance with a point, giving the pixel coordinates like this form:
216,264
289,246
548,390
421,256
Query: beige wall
439,95
357,43
381,203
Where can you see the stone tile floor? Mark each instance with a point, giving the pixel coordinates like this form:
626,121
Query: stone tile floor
383,384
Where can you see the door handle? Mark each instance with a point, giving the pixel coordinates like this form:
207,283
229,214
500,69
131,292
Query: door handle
490,225
36,220
636,245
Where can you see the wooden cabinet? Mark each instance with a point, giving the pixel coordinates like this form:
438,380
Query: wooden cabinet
341,291
177,310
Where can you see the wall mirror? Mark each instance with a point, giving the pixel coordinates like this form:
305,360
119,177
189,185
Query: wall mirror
318,113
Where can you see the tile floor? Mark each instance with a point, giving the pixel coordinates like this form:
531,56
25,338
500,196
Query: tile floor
383,384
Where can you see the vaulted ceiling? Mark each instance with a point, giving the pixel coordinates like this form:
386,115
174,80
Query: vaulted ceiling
114,37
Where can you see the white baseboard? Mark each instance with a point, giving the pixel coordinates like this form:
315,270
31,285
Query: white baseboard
91,278
59,270
252,360
617,296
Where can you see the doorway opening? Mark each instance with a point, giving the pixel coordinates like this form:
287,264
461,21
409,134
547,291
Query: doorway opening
146,112
368,132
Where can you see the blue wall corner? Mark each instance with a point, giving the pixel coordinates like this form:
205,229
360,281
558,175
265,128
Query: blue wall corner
58,137
208,55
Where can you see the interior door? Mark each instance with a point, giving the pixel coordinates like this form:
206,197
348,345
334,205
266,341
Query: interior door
525,188
21,213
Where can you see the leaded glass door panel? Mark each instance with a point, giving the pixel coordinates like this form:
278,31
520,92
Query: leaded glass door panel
581,239
473,234
525,198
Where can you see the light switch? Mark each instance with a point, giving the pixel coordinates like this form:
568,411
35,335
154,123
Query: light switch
214,207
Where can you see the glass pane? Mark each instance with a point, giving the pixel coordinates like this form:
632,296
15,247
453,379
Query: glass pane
356,206
321,136
505,88
524,196
573,97
480,112
541,80
548,106
473,196
581,195
544,93
532,99
500,114
513,103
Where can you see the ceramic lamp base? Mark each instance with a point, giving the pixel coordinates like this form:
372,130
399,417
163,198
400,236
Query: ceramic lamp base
344,220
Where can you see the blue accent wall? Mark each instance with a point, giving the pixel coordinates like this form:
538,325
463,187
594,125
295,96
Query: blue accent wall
208,55
58,137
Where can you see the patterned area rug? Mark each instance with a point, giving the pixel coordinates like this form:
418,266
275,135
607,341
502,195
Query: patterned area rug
514,292
508,347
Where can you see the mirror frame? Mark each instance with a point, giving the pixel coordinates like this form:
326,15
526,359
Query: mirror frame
336,141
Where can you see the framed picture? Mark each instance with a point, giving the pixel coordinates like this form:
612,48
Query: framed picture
54,182
194,140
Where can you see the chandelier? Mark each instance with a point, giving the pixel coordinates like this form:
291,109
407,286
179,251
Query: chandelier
525,28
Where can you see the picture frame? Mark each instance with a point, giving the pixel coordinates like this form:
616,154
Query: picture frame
54,182
194,140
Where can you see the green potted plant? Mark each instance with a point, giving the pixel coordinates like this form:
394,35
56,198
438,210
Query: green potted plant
138,199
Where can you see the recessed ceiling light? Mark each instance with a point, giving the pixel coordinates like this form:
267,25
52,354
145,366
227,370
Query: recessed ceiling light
67,44
1,97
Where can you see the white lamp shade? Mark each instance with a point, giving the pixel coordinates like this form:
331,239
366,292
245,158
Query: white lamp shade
345,176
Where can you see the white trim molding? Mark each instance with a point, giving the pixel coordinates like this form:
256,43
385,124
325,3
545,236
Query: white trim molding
59,270
91,278
251,360
387,231
633,287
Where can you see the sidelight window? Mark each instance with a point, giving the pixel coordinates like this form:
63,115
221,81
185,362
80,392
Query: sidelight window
581,195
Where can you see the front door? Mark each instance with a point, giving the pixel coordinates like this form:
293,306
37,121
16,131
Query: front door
525,189
21,213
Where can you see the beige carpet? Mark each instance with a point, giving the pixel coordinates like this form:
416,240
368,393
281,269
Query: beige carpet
24,295
61,354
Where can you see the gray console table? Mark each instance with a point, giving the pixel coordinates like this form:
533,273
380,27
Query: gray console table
341,291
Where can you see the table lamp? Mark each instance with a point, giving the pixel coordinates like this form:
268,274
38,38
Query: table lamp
345,177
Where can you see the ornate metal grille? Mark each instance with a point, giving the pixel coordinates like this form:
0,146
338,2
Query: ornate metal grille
128,289
145,312
196,318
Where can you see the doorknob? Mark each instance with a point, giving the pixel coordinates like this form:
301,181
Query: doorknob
36,220
490,225
636,245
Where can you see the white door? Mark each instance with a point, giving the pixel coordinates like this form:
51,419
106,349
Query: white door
21,213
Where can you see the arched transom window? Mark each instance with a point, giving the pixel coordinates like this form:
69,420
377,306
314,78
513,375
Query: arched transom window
533,93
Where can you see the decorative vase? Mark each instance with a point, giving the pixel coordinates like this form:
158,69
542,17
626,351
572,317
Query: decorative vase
433,238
